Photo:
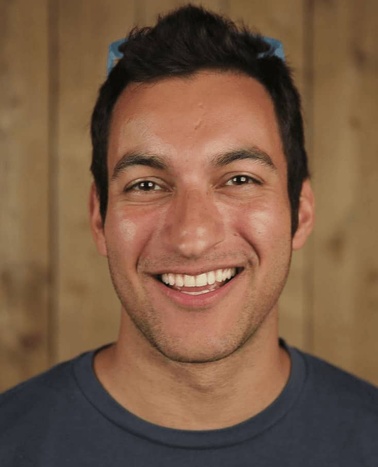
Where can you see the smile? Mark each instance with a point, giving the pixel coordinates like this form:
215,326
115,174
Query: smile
198,284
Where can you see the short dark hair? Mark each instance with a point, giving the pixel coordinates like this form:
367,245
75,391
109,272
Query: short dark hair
182,43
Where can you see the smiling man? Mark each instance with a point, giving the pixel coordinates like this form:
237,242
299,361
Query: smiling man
198,236
201,193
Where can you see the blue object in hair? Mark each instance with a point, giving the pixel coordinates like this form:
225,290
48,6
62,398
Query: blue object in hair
276,48
114,55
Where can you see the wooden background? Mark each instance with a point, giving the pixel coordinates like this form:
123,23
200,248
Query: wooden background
55,294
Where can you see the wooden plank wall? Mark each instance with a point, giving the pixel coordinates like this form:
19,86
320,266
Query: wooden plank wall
56,299
24,191
345,162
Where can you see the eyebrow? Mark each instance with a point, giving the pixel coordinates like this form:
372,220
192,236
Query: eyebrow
150,160
253,153
136,158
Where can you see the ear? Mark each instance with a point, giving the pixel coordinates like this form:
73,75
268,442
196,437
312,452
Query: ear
306,216
97,225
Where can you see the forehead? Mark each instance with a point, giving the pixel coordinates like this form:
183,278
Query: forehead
206,113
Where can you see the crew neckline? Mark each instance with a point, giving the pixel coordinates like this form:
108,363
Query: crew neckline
104,403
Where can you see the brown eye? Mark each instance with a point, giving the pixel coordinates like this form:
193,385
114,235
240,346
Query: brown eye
241,180
145,185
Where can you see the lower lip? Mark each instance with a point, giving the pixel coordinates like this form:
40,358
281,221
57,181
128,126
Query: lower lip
197,301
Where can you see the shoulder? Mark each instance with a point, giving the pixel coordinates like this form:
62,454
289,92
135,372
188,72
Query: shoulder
37,396
336,413
329,378
37,414
339,395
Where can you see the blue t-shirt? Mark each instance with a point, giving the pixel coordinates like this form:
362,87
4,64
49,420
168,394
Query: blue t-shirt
324,417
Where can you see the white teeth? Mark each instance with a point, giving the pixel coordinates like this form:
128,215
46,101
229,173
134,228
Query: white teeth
197,293
201,280
171,279
189,281
211,277
219,275
179,280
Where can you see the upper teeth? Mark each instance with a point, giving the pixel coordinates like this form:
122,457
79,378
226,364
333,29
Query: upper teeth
207,278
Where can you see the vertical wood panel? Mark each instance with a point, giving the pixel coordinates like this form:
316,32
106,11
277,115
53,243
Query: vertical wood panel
346,174
286,21
24,195
87,305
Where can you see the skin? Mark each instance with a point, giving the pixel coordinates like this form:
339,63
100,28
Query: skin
213,360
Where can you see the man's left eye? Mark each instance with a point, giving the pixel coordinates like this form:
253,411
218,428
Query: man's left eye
241,180
145,185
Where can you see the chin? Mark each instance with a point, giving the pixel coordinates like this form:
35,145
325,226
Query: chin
197,352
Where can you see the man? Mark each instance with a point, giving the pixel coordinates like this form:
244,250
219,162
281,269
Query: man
200,195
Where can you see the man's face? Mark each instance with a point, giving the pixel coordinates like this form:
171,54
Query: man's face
198,229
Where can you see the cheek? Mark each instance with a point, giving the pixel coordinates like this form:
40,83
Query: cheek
128,231
264,224
120,230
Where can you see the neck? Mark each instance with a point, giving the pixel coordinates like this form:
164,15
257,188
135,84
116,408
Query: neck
201,396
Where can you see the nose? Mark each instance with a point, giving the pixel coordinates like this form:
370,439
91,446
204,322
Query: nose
194,225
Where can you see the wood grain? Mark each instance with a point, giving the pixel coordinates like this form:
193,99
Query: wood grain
24,190
87,308
346,176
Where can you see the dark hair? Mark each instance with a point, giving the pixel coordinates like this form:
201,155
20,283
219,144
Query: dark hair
182,43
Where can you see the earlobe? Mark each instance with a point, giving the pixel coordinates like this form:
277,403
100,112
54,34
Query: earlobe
97,225
306,216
